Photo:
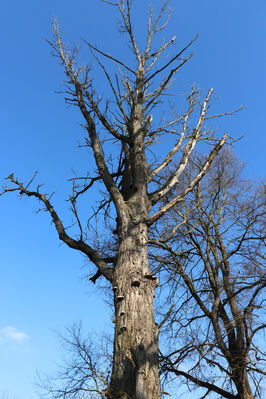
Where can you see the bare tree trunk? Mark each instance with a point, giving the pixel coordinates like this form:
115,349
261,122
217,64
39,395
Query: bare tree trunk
243,386
247,389
135,361
247,394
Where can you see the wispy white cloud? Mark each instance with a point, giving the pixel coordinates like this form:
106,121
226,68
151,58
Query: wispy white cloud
13,334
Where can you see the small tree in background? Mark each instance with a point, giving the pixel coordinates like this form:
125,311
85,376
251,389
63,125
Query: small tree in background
214,269
119,134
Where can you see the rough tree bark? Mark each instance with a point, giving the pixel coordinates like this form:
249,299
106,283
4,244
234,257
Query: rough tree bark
129,186
135,359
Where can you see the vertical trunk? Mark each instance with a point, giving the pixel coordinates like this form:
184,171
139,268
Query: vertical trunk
245,392
242,385
135,361
135,358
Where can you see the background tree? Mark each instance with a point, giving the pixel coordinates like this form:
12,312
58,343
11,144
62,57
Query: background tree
214,264
119,133
85,373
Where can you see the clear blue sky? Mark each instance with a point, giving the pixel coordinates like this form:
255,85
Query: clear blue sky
41,285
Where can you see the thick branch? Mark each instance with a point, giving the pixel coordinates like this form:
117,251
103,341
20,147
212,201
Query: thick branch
99,157
200,383
152,219
92,254
170,155
173,180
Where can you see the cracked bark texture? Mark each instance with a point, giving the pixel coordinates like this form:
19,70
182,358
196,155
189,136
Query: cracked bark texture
135,362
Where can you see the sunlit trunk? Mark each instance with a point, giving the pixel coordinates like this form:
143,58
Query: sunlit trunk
135,361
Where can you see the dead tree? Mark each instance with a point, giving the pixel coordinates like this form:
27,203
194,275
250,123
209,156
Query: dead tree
216,271
127,182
